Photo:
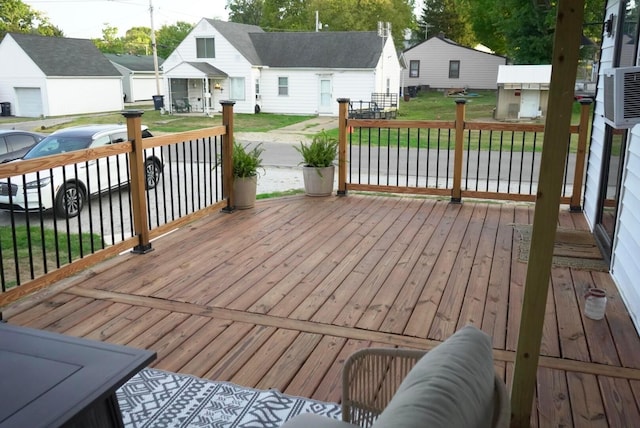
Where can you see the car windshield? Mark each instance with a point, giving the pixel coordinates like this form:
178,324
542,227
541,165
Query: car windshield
55,145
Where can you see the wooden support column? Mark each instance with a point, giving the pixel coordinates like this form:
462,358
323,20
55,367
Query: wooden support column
227,155
138,181
581,155
566,46
456,192
342,145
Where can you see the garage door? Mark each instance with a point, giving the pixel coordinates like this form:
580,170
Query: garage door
29,102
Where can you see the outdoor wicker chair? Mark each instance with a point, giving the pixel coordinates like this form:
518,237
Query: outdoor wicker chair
453,385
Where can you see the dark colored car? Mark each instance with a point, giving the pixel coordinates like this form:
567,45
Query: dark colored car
14,143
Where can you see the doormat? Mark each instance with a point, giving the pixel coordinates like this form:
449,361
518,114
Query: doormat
155,398
572,248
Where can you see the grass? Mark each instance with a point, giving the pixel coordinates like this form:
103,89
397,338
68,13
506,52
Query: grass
177,123
31,243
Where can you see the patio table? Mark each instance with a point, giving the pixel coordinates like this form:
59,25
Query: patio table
52,380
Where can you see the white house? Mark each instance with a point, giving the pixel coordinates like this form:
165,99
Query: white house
440,63
523,91
612,194
55,76
280,72
138,76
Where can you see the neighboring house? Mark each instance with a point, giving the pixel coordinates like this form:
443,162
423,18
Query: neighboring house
523,91
440,63
280,72
612,194
138,76
55,76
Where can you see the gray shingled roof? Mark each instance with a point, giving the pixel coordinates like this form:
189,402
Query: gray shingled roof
207,69
330,49
239,36
59,56
134,62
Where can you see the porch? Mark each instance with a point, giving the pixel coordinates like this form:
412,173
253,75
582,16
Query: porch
278,296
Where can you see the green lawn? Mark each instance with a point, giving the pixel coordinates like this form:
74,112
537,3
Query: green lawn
29,244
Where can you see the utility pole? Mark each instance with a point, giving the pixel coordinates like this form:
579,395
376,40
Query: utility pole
155,50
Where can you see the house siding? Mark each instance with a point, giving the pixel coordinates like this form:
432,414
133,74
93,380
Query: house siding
72,96
23,73
626,243
478,70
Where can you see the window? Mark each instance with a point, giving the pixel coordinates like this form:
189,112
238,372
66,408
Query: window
236,92
257,87
205,48
454,69
414,68
283,86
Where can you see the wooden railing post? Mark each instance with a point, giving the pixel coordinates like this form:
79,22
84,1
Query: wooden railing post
227,155
138,181
456,192
583,130
342,146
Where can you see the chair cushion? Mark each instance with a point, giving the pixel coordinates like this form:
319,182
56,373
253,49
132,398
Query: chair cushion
451,386
310,420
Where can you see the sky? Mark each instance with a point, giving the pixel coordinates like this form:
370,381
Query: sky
85,19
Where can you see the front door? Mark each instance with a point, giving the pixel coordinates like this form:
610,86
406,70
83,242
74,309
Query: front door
326,106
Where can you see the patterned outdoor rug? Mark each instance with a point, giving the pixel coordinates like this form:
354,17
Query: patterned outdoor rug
155,398
572,248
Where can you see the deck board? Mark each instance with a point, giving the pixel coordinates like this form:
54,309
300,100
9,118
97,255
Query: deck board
280,295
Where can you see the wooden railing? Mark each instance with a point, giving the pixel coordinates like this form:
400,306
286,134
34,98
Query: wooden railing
196,180
458,159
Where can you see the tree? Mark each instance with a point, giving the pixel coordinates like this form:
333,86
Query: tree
168,37
245,11
522,29
18,17
109,43
287,15
447,17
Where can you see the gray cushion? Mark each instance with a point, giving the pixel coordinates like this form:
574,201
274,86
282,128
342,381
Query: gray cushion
310,420
451,386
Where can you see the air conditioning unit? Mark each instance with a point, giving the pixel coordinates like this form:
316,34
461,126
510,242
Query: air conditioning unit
622,96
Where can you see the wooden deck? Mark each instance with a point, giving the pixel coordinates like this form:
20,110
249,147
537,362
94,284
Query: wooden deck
279,295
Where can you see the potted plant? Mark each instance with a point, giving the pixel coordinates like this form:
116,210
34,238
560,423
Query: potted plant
318,164
245,174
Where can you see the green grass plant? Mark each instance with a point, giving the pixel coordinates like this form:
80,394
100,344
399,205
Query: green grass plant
32,242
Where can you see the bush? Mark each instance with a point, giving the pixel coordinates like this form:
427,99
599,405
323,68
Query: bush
321,152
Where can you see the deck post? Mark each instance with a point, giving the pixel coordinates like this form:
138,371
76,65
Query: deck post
566,46
342,145
227,155
456,192
583,130
138,181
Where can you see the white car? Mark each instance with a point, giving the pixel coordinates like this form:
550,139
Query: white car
67,189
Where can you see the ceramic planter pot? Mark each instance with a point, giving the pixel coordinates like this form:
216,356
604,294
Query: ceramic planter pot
318,181
244,192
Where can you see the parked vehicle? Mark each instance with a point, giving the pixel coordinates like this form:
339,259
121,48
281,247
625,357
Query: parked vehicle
14,143
66,189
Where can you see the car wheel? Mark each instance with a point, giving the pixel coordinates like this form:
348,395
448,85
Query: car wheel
152,173
69,200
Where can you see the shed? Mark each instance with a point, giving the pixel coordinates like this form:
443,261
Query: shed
523,91
55,76
138,75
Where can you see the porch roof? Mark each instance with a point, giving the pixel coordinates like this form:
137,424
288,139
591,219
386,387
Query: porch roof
194,69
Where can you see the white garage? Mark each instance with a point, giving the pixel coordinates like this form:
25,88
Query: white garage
56,76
